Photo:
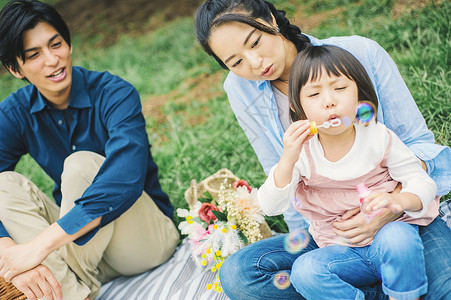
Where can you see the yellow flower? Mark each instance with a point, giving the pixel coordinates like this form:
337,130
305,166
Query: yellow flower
209,286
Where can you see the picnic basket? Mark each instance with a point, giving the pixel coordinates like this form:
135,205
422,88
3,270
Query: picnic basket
9,292
212,184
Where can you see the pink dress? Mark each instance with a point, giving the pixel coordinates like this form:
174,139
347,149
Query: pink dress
324,200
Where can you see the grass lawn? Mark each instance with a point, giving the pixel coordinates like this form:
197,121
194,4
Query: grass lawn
190,124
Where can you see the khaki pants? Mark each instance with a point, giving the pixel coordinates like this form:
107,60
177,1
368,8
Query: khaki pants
140,239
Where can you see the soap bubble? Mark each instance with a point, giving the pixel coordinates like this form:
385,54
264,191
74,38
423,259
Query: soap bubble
346,121
296,240
282,280
365,112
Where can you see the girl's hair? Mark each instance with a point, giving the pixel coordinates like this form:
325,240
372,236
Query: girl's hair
214,13
16,18
308,65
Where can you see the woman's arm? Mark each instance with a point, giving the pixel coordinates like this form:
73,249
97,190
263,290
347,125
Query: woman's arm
400,113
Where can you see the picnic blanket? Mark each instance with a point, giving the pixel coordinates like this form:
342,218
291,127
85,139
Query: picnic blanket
180,278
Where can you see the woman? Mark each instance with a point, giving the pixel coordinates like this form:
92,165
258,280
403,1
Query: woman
257,43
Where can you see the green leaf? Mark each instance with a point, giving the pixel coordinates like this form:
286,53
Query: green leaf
220,215
243,237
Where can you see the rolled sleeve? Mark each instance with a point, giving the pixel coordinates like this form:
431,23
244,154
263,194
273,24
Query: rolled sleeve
120,180
438,162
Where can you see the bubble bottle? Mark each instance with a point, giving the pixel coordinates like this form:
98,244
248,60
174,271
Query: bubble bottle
364,191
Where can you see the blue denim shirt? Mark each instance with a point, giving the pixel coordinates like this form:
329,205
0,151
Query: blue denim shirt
256,110
104,116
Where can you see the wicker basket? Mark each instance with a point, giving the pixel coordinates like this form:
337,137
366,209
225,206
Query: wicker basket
9,292
212,184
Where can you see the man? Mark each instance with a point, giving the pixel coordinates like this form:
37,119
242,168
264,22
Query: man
86,130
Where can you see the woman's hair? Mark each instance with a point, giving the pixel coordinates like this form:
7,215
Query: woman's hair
308,65
214,13
16,18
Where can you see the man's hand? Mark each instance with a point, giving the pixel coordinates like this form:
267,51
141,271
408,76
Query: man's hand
20,258
37,283
355,228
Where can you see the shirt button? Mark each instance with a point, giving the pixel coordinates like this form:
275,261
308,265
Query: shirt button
422,154
110,208
73,147
60,122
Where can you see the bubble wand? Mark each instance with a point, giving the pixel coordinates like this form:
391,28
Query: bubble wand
365,113
332,123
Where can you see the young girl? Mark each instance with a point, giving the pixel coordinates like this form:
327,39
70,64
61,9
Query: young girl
318,174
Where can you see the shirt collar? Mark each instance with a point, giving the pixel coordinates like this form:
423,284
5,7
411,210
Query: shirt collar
79,96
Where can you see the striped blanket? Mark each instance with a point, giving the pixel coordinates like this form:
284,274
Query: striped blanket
177,279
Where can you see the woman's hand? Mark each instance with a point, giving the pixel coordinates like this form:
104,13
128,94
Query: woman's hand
358,230
355,228
293,139
37,283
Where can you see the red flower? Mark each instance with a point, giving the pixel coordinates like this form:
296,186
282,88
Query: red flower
205,212
241,182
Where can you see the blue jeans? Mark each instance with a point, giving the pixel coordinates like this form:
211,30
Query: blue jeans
249,273
335,272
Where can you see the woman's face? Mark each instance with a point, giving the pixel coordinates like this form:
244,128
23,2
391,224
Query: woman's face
253,54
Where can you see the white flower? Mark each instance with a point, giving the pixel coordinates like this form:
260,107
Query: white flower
247,203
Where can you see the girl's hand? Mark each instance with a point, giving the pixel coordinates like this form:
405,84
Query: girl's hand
396,202
375,201
293,139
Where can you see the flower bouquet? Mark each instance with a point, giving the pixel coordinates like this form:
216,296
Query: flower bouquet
222,221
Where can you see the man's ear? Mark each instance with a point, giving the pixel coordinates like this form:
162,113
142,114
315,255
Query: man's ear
16,74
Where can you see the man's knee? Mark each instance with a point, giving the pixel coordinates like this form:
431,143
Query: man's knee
83,164
11,186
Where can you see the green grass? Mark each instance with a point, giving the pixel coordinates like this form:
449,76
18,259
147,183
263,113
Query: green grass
199,137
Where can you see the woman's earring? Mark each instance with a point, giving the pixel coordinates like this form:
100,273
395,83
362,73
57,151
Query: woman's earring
277,29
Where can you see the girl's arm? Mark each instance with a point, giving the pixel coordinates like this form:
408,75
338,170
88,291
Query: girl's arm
274,195
293,139
418,189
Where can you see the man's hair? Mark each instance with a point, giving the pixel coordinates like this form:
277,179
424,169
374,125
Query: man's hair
16,18
308,65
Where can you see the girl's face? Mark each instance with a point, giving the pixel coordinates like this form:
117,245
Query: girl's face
328,98
253,54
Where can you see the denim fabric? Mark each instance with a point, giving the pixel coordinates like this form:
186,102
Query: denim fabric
436,239
335,272
249,273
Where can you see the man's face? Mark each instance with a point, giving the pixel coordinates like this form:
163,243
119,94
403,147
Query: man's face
48,63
